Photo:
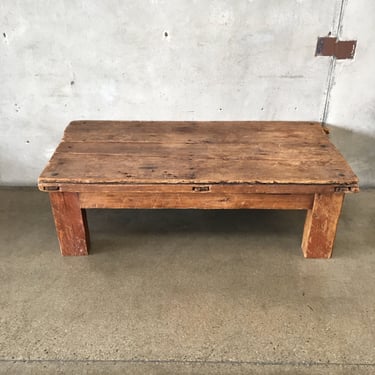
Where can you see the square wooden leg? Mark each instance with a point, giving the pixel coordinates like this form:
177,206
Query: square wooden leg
71,224
321,224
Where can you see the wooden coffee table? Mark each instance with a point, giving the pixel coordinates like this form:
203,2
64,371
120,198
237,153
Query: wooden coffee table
202,165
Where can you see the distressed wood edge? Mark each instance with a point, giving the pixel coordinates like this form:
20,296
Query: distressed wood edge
82,121
182,187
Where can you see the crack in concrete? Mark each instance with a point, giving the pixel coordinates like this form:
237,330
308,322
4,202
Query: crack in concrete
175,361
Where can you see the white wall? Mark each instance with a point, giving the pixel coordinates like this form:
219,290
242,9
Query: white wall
352,100
222,60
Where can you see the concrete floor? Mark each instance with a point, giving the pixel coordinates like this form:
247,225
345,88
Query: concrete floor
208,292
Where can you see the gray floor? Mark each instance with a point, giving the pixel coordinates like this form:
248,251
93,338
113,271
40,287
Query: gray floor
211,292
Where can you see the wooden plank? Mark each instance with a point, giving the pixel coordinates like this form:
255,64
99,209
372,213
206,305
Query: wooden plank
183,127
321,225
188,132
71,223
234,152
186,188
120,169
195,200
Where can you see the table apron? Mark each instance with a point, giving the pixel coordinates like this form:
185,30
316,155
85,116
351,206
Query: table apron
196,200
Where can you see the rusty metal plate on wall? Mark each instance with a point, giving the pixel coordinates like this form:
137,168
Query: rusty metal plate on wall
331,46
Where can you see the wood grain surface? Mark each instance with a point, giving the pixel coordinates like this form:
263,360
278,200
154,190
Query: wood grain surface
252,153
71,223
196,200
321,225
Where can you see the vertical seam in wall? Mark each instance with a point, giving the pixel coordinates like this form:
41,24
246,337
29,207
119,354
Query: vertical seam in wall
332,64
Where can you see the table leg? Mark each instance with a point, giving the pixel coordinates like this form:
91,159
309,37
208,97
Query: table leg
71,224
321,224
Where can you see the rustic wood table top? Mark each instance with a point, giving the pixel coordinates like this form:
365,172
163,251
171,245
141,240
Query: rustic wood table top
252,153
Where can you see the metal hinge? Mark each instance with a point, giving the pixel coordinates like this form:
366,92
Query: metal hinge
51,188
343,189
201,188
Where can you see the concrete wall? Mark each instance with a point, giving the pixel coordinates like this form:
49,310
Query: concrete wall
178,59
352,100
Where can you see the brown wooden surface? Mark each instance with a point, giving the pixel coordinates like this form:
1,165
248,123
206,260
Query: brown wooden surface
321,224
252,153
213,165
196,200
186,188
70,222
